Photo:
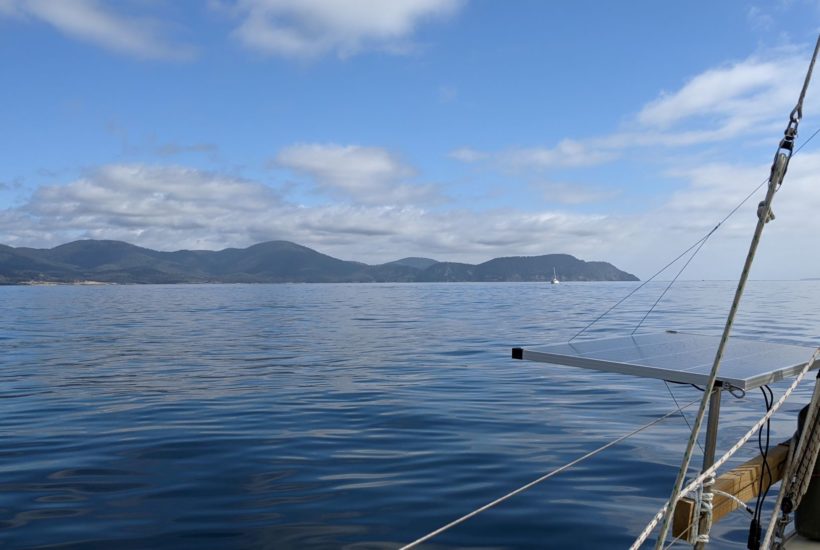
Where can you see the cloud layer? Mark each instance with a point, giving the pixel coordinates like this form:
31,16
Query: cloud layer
94,22
301,29
309,28
172,207
738,100
369,175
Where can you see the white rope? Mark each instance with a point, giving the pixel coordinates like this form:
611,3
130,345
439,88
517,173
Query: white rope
722,460
775,180
782,156
531,484
776,511
806,452
799,465
706,508
730,496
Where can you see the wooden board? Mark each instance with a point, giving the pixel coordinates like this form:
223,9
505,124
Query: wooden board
742,482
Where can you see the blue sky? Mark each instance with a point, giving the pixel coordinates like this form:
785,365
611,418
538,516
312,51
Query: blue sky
455,129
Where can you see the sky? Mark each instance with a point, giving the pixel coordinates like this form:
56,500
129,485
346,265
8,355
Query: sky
371,130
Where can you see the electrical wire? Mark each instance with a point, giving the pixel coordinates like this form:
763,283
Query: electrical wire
765,472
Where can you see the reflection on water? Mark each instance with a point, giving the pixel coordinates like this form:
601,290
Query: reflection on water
357,416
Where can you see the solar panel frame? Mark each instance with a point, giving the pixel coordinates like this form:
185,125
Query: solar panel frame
679,357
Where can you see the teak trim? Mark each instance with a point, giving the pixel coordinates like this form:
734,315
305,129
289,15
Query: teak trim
742,482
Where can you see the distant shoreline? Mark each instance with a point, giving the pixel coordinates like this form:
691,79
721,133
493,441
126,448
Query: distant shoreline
541,282
545,282
61,283
98,262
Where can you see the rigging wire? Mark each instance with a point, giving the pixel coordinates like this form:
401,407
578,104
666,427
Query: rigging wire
780,165
602,448
682,414
682,269
673,500
535,482
728,388
696,244
679,538
643,284
679,409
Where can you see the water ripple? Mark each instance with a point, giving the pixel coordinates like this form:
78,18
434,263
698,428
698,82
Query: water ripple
345,416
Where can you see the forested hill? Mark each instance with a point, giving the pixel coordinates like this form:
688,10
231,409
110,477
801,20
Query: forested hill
271,262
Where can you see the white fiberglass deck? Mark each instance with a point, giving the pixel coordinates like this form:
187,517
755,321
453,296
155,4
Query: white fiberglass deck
678,357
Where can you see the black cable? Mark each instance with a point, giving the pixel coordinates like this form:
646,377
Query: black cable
766,454
686,384
754,528
763,453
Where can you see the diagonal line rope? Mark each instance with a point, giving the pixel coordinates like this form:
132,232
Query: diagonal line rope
669,286
800,452
682,269
780,165
670,504
643,284
682,414
679,537
600,449
696,244
535,482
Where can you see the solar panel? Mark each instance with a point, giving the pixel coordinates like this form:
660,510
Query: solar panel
678,357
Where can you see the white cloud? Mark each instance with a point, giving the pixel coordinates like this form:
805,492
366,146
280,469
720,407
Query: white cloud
310,28
574,193
568,153
710,192
714,189
141,204
370,175
467,154
746,99
94,22
171,208
747,92
759,19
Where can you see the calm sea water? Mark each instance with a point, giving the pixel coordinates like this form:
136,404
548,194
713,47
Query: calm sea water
346,416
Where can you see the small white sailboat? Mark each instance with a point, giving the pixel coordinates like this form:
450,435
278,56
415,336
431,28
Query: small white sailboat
555,280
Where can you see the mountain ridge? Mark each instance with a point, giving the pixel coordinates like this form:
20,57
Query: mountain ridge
271,262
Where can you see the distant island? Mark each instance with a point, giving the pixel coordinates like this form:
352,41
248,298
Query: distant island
101,261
